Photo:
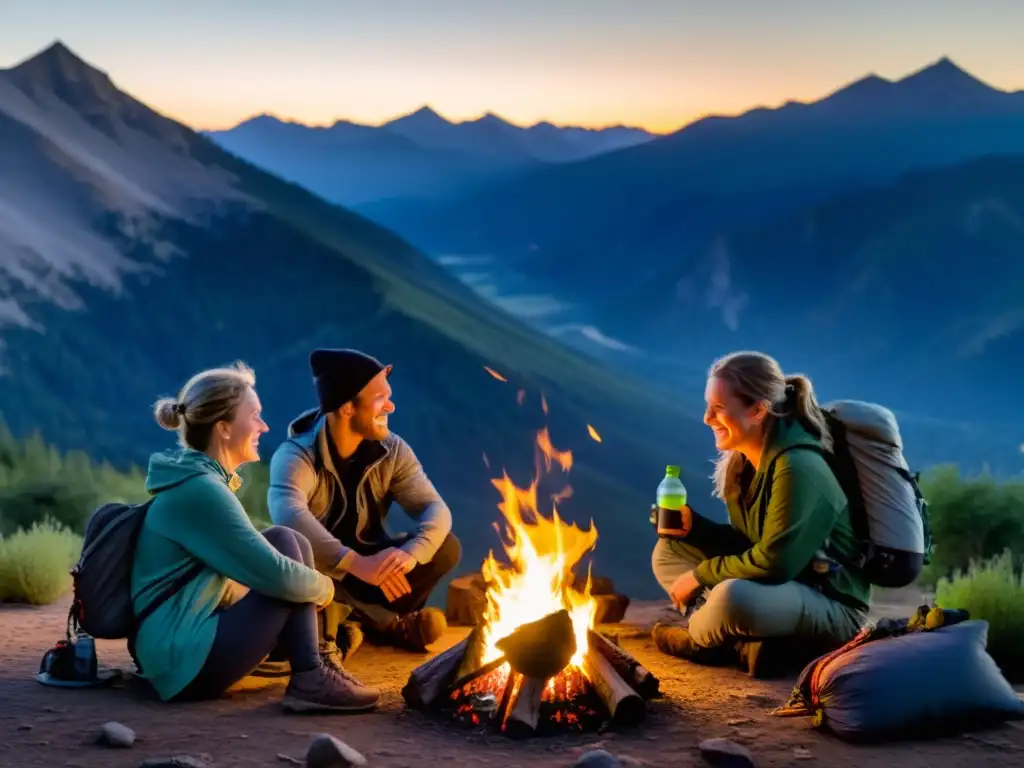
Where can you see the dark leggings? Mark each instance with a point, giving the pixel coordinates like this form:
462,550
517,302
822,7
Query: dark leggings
256,624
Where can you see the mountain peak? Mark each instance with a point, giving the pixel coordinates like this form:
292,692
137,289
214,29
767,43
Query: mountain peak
56,58
59,70
945,74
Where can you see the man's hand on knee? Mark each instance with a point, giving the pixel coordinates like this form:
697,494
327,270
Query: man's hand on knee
375,569
395,586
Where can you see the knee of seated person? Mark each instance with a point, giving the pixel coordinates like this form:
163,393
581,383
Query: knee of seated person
735,602
661,558
448,554
287,541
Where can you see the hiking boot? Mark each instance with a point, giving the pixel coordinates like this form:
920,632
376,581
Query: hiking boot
350,637
332,656
324,690
676,641
414,631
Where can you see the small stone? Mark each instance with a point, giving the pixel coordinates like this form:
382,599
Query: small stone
739,721
723,753
178,761
116,735
597,758
325,751
799,753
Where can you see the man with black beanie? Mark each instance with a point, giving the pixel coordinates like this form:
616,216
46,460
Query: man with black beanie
334,479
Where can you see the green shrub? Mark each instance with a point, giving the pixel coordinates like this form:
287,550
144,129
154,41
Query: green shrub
37,483
992,590
971,519
35,564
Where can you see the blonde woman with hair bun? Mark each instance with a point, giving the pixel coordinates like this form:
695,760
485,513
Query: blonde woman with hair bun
235,594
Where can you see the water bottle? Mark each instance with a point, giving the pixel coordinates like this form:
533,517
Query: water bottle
673,522
85,657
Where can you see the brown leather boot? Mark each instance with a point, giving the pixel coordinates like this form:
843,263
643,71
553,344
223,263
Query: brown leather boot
676,641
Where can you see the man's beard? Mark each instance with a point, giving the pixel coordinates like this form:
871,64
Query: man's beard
368,428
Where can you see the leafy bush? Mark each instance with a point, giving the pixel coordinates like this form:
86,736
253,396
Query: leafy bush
992,590
971,519
37,483
35,564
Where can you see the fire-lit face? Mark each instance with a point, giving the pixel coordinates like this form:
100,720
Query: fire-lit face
734,422
240,438
368,413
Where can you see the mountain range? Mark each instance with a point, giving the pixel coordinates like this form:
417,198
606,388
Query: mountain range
419,154
135,251
871,238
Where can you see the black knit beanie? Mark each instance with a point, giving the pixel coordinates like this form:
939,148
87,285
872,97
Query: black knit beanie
340,374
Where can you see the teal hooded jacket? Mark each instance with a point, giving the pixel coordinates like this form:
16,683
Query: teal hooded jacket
195,518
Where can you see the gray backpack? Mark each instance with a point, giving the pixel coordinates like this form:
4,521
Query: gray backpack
887,509
103,604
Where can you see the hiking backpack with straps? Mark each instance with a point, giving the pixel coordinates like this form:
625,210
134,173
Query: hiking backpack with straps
103,603
888,511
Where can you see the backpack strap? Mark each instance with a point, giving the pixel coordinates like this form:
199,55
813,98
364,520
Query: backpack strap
175,586
829,459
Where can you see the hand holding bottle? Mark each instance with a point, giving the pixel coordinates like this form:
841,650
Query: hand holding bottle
674,516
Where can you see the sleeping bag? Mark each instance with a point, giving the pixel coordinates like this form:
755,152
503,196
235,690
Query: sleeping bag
922,676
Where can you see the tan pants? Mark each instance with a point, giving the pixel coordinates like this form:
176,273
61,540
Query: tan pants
739,608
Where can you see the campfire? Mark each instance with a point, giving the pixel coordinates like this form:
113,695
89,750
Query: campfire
535,663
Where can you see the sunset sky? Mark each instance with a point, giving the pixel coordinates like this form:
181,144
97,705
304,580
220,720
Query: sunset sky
657,64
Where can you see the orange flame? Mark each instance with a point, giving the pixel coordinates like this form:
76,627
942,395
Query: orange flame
593,433
495,374
542,551
550,453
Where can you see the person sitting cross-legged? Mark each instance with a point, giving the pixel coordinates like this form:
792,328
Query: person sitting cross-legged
229,594
764,590
334,479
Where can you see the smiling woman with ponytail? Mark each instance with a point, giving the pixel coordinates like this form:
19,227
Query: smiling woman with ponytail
764,588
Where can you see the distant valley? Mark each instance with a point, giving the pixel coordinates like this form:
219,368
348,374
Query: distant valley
871,238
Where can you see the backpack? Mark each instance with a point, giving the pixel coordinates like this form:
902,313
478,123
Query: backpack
103,604
887,509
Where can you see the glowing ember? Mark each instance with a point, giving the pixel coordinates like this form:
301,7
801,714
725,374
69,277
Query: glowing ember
542,552
593,433
495,374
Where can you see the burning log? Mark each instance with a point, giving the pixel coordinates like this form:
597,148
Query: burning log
524,714
511,687
624,704
433,679
541,648
629,669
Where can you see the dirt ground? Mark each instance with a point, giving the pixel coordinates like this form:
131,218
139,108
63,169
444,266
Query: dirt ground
42,726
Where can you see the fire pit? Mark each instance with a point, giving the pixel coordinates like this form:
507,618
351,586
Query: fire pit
534,664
